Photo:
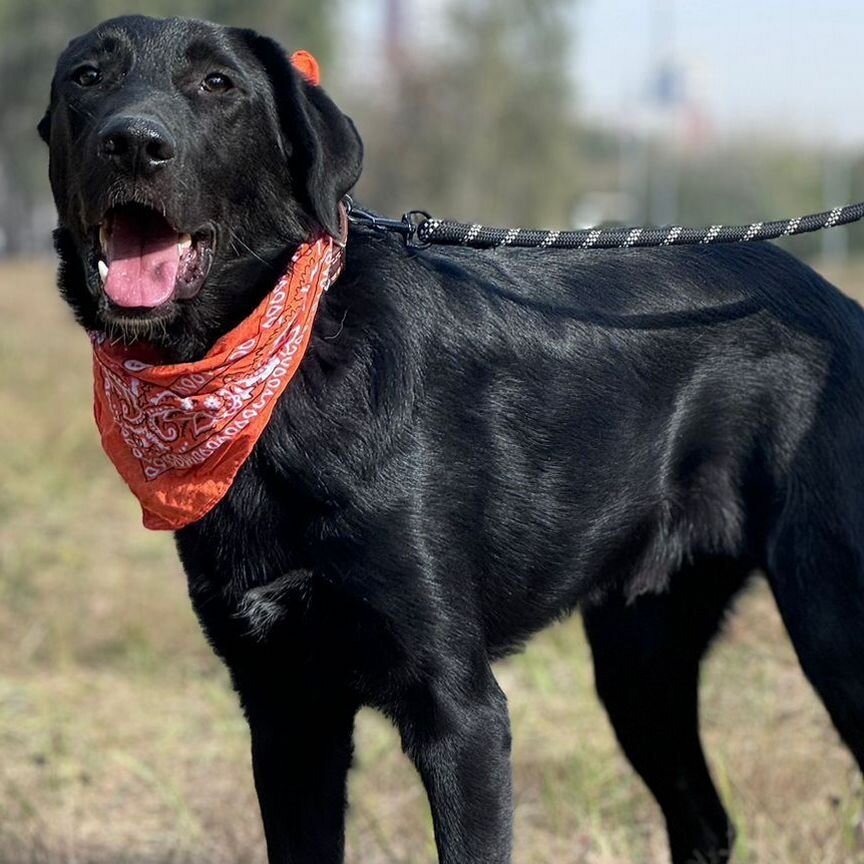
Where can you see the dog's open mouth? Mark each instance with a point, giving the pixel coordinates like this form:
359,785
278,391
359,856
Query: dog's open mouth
144,262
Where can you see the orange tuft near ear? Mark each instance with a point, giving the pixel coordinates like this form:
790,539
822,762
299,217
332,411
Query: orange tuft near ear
307,66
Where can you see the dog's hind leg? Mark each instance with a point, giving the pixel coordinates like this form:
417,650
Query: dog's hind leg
816,570
647,655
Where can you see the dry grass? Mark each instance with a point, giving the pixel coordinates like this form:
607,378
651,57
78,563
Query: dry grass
121,742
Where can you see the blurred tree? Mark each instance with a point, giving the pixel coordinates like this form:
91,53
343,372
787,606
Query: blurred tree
488,131
32,34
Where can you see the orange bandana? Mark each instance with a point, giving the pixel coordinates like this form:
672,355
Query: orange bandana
179,434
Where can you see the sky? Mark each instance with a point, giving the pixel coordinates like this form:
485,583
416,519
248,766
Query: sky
784,66
779,67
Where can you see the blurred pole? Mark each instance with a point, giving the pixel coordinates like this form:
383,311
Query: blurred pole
633,172
394,21
667,96
836,190
664,189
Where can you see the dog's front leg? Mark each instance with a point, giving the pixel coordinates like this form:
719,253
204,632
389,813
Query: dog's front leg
301,752
456,729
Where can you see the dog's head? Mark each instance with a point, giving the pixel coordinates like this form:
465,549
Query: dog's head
187,161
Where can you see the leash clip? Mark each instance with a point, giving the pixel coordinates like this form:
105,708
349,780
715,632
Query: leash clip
412,220
406,226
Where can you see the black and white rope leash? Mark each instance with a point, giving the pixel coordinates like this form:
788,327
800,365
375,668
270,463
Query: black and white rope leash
419,230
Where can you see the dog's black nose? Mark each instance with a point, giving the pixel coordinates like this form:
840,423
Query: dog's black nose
136,143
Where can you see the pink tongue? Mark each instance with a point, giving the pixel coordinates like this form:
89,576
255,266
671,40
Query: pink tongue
143,260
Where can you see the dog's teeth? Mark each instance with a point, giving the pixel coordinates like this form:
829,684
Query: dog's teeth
103,270
103,237
184,243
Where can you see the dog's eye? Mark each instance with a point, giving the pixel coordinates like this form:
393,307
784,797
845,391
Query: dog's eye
216,82
86,76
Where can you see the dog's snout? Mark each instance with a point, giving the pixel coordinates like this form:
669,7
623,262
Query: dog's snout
136,143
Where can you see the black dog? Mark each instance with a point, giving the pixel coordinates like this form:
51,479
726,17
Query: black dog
477,443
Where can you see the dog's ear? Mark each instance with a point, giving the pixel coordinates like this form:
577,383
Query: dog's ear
44,127
324,151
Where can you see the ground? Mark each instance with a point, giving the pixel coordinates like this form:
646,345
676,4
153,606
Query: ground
121,741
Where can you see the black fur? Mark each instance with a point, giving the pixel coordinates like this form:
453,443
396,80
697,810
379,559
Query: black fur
478,443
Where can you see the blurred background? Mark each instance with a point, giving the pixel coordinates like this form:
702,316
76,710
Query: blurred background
120,740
